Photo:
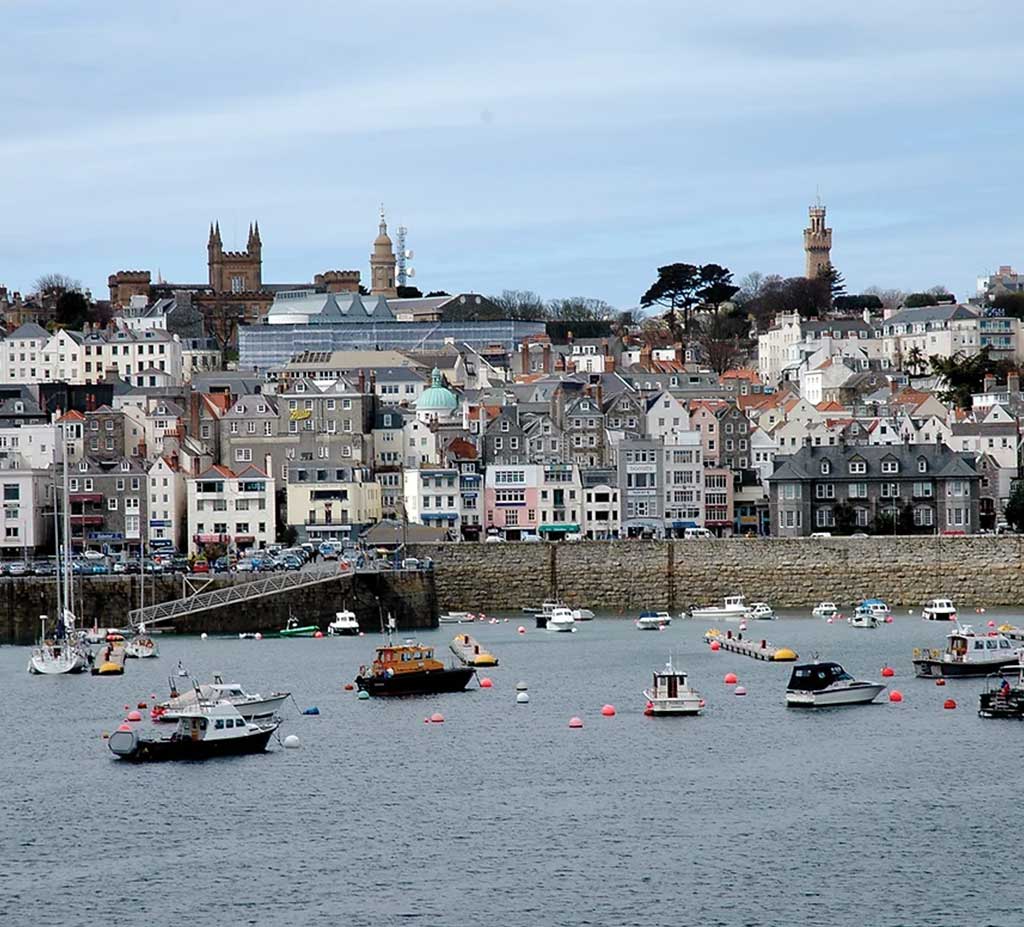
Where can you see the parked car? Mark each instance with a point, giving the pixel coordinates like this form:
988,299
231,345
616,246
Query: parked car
221,565
696,534
531,539
309,548
179,564
494,539
18,568
93,555
44,568
119,566
290,562
201,566
245,566
132,566
329,551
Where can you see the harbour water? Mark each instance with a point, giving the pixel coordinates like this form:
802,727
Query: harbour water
889,815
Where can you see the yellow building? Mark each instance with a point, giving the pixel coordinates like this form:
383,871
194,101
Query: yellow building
330,503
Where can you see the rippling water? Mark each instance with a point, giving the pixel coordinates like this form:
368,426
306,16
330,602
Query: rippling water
888,815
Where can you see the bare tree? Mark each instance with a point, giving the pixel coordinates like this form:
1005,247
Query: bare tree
580,308
520,304
55,284
890,299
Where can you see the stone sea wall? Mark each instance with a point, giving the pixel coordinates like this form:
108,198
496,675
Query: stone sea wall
106,601
629,575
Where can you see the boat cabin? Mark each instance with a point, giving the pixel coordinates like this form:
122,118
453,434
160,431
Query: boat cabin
734,601
668,683
814,677
220,722
967,647
406,658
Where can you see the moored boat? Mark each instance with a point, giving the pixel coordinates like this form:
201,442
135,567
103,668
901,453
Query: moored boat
201,733
966,654
561,619
825,610
939,610
141,648
762,611
469,651
345,624
249,705
456,618
65,652
653,621
878,608
863,617
828,685
734,609
1003,698
582,614
294,629
411,669
671,694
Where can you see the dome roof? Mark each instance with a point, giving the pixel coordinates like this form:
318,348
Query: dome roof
438,398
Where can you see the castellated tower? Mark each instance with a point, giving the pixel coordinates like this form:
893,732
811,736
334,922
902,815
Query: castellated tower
235,271
817,242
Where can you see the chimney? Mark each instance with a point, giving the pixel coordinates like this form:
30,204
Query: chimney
193,413
362,381
989,383
546,356
373,381
600,395
268,465
524,357
1013,383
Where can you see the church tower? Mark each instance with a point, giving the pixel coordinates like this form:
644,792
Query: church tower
235,271
382,262
817,242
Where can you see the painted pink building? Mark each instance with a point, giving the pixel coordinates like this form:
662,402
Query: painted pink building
511,499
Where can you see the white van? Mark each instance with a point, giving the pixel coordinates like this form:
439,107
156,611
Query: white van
697,534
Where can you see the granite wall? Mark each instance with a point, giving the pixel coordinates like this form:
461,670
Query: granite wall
106,600
629,575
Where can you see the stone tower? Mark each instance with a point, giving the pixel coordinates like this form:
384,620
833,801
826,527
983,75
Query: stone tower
235,271
817,242
382,262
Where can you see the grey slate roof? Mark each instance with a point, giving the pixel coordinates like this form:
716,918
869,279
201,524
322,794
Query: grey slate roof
805,464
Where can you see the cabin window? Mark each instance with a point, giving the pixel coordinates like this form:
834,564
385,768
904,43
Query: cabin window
990,644
979,645
1004,645
219,724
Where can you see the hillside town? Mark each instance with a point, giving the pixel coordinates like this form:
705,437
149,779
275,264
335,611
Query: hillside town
219,419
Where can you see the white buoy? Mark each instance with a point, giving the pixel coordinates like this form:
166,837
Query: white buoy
292,742
522,698
203,636
521,686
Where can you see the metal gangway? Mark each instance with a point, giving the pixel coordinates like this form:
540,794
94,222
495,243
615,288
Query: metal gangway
230,595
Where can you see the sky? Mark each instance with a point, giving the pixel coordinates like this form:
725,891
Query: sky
565,147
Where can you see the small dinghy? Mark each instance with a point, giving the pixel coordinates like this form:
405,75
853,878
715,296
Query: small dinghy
469,651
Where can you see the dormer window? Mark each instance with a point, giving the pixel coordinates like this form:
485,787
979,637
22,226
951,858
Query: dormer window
922,464
125,465
890,466
858,466
83,467
300,387
826,467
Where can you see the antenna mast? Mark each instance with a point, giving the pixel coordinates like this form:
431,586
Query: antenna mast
402,271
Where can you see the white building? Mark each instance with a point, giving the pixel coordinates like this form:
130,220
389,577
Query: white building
600,511
28,508
684,482
667,417
167,506
21,355
236,510
560,500
432,496
930,331
35,446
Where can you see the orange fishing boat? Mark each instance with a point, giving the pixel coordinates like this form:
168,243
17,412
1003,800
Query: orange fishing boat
411,669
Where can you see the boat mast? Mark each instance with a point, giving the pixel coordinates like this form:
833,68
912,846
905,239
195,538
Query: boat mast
67,534
57,550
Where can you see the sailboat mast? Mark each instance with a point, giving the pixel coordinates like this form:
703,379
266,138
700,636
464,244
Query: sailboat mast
58,552
67,534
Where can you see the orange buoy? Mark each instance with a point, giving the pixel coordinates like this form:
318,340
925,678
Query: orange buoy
888,671
142,705
949,704
349,687
715,646
608,711
895,696
134,716
730,679
991,623
125,727
575,722
437,718
940,681
486,683
521,629
319,634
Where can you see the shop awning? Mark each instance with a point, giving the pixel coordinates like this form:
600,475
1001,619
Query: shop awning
568,527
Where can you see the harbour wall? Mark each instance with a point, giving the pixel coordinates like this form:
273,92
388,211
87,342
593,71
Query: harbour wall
106,600
630,575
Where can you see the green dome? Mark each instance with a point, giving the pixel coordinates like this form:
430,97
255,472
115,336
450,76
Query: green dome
437,398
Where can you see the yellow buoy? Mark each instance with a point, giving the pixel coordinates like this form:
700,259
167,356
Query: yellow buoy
783,655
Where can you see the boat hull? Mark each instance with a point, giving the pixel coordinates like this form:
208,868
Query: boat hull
261,708
652,624
307,631
930,615
719,614
430,682
931,669
141,651
862,694
40,664
665,707
127,745
995,705
343,631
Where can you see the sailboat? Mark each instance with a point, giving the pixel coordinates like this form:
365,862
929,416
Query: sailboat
67,651
141,647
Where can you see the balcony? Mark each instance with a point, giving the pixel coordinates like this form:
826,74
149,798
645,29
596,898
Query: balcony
91,520
95,497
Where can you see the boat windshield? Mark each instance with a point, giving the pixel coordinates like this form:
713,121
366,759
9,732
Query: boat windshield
813,677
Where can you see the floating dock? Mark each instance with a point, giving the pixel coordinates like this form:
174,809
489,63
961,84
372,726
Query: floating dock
110,660
755,649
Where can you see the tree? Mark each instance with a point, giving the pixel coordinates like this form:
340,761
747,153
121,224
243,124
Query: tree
845,518
716,286
55,284
890,299
1014,511
408,292
437,293
855,305
521,305
677,290
288,535
750,287
580,308
831,278
915,362
776,295
73,310
962,375
720,340
933,297
1011,304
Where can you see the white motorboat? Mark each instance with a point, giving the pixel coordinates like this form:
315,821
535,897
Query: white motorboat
653,621
863,617
828,685
939,610
561,619
457,618
65,652
344,624
203,697
670,694
141,648
825,610
878,608
762,611
967,653
583,614
735,609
